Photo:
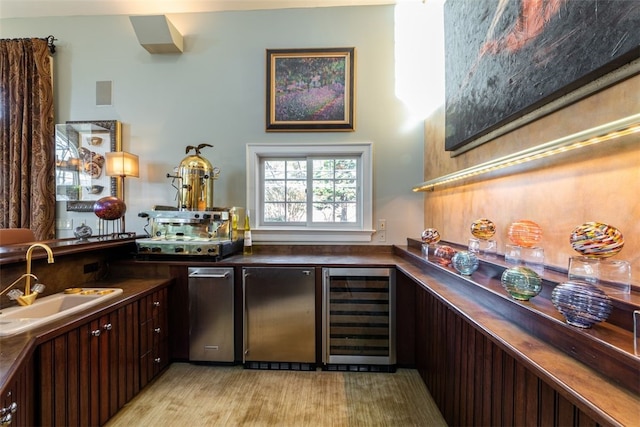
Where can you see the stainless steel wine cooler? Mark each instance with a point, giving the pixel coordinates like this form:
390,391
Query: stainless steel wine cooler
358,317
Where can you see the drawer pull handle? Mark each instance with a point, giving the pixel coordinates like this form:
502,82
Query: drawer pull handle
156,330
107,327
156,303
96,333
157,360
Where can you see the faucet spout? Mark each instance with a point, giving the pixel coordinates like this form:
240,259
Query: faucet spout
27,288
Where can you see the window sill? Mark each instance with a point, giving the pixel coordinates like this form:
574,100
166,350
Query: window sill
311,236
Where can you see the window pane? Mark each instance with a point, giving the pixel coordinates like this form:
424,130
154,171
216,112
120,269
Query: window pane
274,191
274,212
274,169
297,212
297,169
323,191
323,212
345,212
297,191
346,191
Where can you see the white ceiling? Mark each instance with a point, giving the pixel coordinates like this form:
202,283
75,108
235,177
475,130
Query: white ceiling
34,8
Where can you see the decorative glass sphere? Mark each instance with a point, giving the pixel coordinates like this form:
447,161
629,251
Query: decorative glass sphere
430,236
581,304
596,240
443,254
465,262
525,233
522,283
109,208
483,229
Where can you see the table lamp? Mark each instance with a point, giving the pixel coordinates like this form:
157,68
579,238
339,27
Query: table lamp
122,164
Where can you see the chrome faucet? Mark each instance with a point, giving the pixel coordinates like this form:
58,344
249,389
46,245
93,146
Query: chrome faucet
29,297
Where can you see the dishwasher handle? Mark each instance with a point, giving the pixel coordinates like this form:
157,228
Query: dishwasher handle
198,274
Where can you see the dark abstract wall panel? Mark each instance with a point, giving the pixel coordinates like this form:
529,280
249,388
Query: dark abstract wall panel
506,58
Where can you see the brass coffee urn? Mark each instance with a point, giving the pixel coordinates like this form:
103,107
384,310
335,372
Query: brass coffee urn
196,176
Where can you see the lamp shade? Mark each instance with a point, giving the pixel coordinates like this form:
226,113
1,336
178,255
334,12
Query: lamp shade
121,163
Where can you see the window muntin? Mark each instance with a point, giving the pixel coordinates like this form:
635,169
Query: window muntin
310,190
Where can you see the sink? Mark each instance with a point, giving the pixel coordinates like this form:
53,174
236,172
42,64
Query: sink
19,319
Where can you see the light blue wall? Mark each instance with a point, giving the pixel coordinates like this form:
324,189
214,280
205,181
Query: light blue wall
215,93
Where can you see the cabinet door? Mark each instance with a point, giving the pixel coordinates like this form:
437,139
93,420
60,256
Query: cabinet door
279,314
16,398
89,373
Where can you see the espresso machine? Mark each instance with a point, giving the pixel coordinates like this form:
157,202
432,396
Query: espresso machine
195,227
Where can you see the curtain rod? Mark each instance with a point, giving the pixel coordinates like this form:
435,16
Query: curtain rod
50,42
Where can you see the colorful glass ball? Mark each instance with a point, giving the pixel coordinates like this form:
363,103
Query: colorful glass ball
581,304
444,254
483,229
525,233
596,240
430,236
465,262
109,208
522,283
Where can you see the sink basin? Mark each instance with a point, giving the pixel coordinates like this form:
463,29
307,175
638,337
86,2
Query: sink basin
46,309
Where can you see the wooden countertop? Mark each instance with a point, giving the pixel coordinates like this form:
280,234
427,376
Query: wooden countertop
601,397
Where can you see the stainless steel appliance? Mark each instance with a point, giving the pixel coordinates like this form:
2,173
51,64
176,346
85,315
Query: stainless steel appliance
358,317
279,318
190,233
211,331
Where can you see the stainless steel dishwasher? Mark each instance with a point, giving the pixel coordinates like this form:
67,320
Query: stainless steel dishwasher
211,314
279,318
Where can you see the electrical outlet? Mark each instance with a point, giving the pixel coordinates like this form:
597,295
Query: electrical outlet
382,236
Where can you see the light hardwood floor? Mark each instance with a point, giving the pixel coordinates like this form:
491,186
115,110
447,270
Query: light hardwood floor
200,395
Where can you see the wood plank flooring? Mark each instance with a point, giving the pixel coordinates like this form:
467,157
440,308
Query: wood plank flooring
200,395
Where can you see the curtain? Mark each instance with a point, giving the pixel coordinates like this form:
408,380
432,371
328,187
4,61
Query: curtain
27,187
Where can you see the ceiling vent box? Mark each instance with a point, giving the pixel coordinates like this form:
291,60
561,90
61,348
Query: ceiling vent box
157,34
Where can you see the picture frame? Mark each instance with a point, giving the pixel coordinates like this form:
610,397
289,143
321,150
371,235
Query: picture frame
310,90
81,148
497,80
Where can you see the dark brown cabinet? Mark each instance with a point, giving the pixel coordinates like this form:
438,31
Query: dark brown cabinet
17,398
474,381
90,371
154,346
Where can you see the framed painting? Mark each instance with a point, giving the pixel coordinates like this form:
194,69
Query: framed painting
81,148
508,63
310,90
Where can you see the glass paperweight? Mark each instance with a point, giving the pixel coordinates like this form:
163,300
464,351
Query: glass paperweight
430,236
109,208
596,240
444,254
522,283
465,262
612,276
483,229
581,304
525,233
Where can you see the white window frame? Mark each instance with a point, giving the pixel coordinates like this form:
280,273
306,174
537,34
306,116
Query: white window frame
361,232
